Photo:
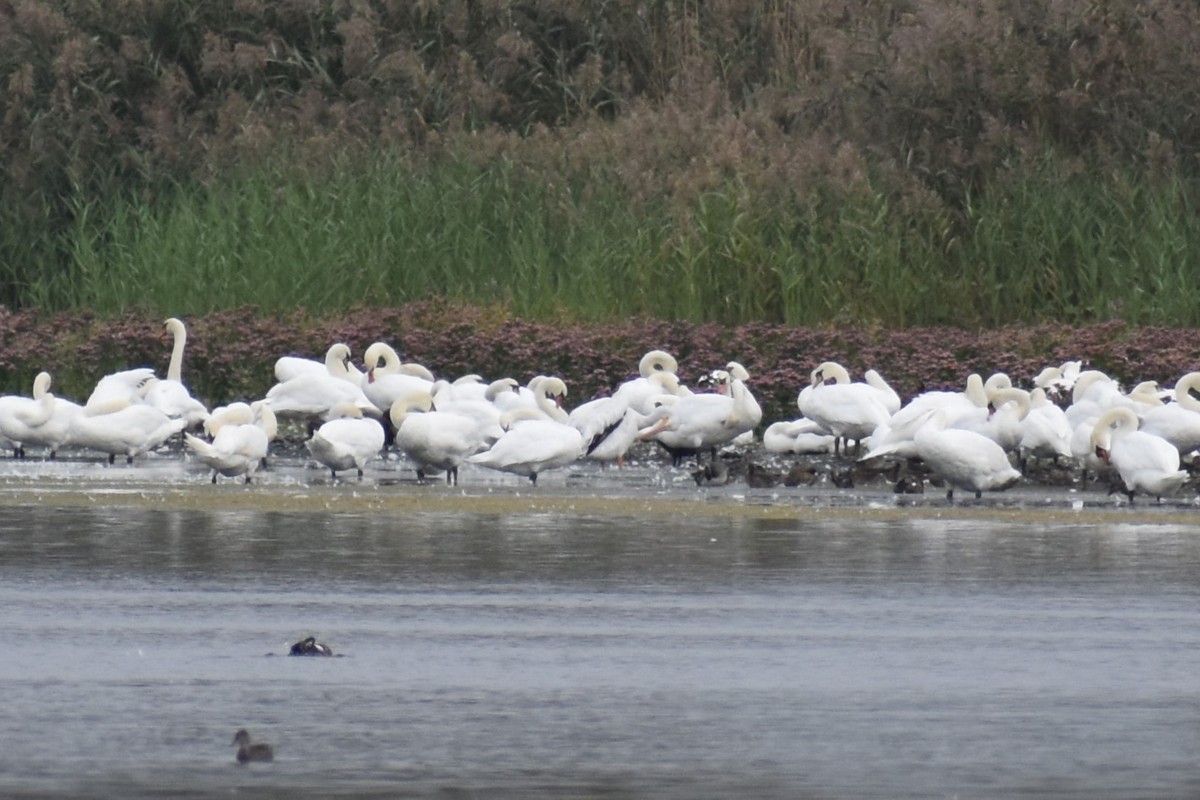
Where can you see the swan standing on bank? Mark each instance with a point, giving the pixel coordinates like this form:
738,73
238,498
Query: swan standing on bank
347,441
964,459
1178,422
170,396
706,421
131,431
439,440
41,421
531,445
1146,463
844,409
238,448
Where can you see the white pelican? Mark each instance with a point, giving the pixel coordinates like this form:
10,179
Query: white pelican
347,441
1145,462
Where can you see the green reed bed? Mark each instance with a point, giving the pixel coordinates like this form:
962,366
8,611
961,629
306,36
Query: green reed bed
386,233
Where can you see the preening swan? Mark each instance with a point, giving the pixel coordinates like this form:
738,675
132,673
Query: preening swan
238,448
118,390
1178,422
170,396
1146,463
799,436
43,420
439,440
532,445
130,431
385,383
706,421
844,409
347,441
964,459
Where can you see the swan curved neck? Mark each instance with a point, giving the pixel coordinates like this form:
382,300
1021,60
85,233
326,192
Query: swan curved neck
175,368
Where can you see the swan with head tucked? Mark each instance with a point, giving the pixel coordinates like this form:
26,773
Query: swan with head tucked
964,459
1045,431
1002,420
237,448
170,396
895,437
347,441
131,431
438,439
798,436
337,363
41,421
1145,462
531,445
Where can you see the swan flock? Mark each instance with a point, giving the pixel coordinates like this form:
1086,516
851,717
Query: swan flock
984,438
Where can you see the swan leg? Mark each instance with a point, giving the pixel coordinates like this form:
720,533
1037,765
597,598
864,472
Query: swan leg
978,495
950,494
533,478
112,459
452,476
214,478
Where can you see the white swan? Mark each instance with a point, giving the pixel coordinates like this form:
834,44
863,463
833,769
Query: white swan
347,441
1178,422
314,396
844,409
439,440
1146,463
964,459
238,448
41,421
130,431
895,437
384,383
543,396
1002,420
612,424
532,445
116,391
1045,431
653,368
170,396
338,363
799,436
706,421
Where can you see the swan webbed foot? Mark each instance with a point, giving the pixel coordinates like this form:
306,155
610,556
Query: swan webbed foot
533,478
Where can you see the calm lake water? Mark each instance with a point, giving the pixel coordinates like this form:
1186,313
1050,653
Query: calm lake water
631,655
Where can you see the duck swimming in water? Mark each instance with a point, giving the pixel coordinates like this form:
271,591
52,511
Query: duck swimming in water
310,647
251,751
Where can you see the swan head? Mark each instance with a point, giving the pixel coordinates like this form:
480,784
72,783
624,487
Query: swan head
380,351
407,403
657,361
41,385
736,370
499,387
175,327
344,411
829,372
